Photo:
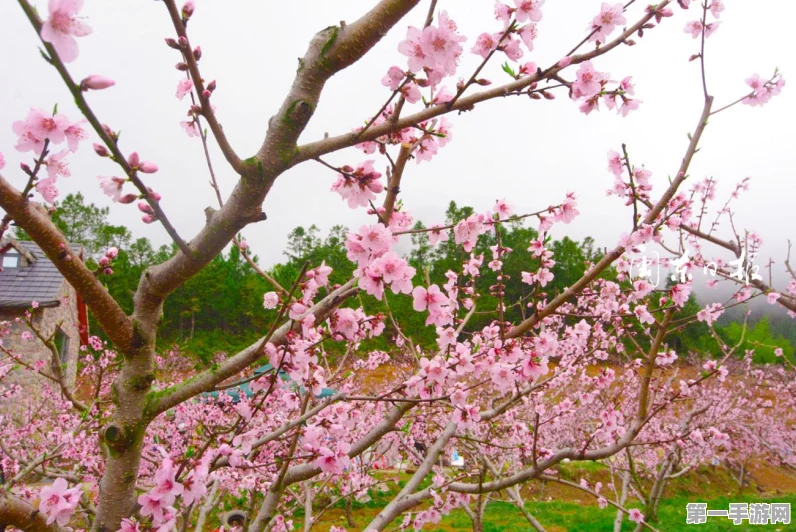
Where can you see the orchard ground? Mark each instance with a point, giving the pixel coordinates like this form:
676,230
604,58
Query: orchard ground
565,509
559,507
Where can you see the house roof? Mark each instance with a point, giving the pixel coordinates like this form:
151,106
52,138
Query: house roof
36,280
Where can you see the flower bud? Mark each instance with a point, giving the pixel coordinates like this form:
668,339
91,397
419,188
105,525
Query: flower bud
565,62
197,53
111,133
206,93
101,150
96,82
182,67
483,82
211,86
108,271
154,195
188,9
112,252
145,207
104,261
128,198
183,42
171,43
133,160
147,167
25,168
148,218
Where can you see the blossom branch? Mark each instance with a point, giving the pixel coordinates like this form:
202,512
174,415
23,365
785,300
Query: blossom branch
36,222
612,256
204,100
322,147
109,140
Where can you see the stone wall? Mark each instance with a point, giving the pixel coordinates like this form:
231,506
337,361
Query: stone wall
46,320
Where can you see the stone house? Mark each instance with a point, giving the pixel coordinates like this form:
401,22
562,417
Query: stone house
28,275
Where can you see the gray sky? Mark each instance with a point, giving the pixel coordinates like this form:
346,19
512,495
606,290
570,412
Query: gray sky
529,152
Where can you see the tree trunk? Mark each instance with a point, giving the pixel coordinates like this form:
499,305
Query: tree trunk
123,437
349,514
620,515
307,506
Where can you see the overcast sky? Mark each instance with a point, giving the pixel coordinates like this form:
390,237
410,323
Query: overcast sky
529,152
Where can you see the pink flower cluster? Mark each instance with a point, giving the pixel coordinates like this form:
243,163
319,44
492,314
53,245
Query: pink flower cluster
58,502
40,129
434,49
590,87
359,185
158,501
696,27
763,91
378,266
504,40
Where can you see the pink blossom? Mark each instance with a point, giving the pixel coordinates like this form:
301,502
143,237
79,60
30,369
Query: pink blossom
528,34
112,186
628,105
128,525
502,377
436,48
37,127
529,10
694,27
484,45
716,7
635,515
152,505
502,209
430,299
393,78
74,134
63,25
643,314
467,231
345,322
568,211
58,502
511,47
412,48
680,294
270,300
57,166
666,358
437,234
611,15
615,163
166,487
358,186
190,128
184,87
47,189
710,313
588,81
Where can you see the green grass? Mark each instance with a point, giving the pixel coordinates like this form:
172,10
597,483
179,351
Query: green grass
574,517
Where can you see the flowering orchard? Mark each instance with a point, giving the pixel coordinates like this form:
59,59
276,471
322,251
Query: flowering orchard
587,373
